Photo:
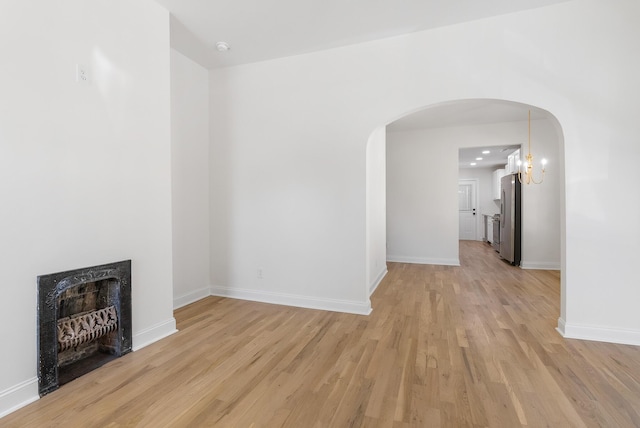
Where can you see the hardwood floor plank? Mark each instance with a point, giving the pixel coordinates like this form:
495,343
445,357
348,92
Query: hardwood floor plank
468,346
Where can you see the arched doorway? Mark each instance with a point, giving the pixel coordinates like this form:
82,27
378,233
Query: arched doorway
421,176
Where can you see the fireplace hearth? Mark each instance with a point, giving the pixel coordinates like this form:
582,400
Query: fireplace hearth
84,321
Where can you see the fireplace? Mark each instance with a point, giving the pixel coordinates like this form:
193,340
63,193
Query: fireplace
84,321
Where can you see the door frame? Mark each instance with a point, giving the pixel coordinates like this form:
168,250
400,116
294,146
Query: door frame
476,182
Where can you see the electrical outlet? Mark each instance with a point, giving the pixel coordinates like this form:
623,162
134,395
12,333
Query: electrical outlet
259,273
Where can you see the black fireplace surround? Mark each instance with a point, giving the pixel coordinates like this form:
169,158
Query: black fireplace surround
106,290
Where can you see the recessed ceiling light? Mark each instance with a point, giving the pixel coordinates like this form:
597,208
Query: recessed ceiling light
222,46
486,152
473,164
478,158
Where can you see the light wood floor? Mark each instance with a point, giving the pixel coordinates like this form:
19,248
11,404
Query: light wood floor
470,346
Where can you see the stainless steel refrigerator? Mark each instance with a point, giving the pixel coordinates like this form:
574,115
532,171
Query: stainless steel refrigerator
511,219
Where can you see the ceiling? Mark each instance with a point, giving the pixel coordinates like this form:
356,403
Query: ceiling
497,156
469,113
258,30
465,113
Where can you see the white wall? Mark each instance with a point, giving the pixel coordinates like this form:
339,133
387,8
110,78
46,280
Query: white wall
289,137
487,205
286,199
422,197
190,179
541,203
376,208
422,179
84,168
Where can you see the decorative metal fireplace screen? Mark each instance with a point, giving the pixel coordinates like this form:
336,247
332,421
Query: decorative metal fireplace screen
84,321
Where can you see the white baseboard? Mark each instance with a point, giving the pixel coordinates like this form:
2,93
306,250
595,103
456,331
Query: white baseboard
539,265
378,280
423,260
561,324
598,334
188,298
11,399
348,306
20,395
154,333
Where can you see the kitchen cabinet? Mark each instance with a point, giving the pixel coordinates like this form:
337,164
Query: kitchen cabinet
497,176
512,166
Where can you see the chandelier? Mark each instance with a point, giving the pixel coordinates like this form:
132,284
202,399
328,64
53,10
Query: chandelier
525,169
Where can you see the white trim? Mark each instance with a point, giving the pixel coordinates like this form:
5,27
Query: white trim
348,306
378,280
26,392
423,260
598,334
154,333
18,396
188,298
561,326
479,234
540,265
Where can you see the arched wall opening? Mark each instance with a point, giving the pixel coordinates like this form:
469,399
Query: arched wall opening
417,222
289,138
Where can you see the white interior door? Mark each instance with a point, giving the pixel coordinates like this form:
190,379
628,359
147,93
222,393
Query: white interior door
467,201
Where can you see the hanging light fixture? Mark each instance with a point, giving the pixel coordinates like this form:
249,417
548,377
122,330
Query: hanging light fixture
525,170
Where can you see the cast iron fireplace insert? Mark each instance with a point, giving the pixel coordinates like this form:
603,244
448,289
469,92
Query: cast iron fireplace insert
84,321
